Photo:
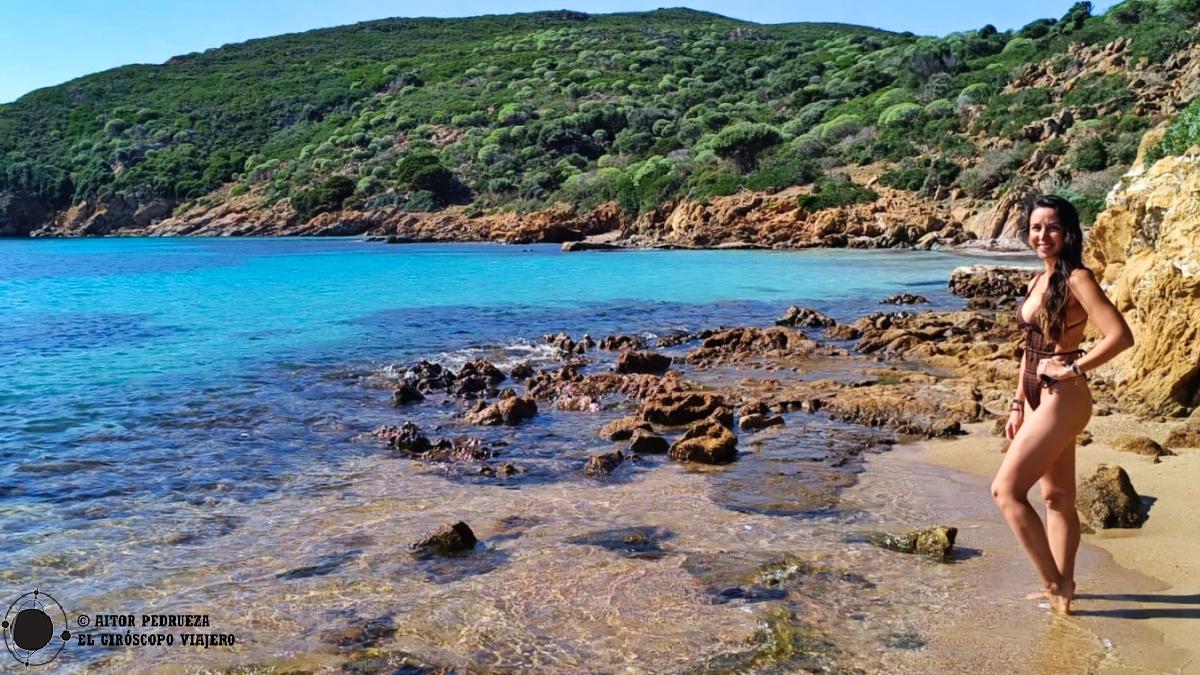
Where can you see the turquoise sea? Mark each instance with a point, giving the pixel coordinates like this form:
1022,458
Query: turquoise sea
163,402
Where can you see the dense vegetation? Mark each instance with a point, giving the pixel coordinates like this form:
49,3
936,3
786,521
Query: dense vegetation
521,110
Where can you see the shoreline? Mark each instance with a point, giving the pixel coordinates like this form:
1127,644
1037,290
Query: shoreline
1161,552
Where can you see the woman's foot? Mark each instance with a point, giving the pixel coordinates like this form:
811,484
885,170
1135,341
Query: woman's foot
1060,600
1045,594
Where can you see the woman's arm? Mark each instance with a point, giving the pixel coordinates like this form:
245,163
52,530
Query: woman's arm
1117,336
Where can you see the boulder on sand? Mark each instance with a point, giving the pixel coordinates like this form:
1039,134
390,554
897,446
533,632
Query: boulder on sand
1107,499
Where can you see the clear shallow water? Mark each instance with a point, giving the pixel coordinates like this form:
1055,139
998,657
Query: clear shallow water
177,415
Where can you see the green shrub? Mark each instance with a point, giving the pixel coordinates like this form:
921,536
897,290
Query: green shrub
840,127
938,109
1183,133
783,173
833,192
911,178
901,114
328,196
743,143
1090,155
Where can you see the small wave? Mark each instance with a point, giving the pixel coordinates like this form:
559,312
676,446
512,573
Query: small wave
504,356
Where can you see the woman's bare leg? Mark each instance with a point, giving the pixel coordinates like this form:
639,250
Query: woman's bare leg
1045,435
1062,520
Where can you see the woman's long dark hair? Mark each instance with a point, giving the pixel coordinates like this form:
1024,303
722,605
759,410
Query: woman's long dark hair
1053,314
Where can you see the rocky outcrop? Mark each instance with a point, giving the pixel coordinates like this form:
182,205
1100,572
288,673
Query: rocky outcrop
935,542
1141,445
1107,499
706,442
19,214
1145,251
509,410
990,281
642,362
805,317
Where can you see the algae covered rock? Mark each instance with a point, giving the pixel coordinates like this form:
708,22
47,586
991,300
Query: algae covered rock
707,442
1142,445
1107,499
935,542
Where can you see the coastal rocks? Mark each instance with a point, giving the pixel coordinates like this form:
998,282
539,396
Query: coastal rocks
620,343
572,246
1142,445
707,442
990,281
624,428
20,213
647,443
678,409
1145,251
904,299
935,542
642,362
406,393
406,439
448,541
1106,499
604,464
1187,436
566,346
743,344
843,331
509,410
759,422
804,318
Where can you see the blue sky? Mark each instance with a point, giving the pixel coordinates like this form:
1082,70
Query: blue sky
47,42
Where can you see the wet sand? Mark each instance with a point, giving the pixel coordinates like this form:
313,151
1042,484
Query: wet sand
1138,608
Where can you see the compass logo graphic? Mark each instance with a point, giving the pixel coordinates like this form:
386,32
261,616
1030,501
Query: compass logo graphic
30,629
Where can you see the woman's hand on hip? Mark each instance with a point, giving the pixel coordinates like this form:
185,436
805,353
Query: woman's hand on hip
1055,368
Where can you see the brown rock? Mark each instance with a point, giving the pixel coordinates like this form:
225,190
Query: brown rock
406,439
990,281
707,442
642,362
1107,499
620,343
1186,436
935,542
1143,445
449,540
804,318
624,428
602,465
678,409
406,393
648,443
904,299
758,422
843,331
509,410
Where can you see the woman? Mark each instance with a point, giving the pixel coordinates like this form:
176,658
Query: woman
1052,403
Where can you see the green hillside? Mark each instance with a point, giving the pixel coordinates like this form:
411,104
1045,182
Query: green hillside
522,110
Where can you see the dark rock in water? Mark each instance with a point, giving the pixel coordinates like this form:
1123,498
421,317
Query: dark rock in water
707,442
757,422
648,442
1143,445
564,344
397,239
904,299
620,343
406,439
750,594
602,465
805,317
586,342
574,246
935,542
326,564
642,362
755,408
679,337
678,409
510,469
522,371
374,660
628,542
624,428
461,449
406,393
428,376
484,370
509,410
449,540
368,634
904,641
1107,499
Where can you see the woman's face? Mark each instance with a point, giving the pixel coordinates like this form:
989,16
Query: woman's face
1045,232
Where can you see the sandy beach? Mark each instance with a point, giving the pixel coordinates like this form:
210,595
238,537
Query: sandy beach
1139,590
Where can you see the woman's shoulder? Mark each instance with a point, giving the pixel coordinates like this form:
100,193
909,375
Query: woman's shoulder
1081,275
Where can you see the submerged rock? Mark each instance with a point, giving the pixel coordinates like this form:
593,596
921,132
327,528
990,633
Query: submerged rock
604,464
642,362
449,540
758,422
648,442
904,299
935,542
628,542
1107,499
620,343
406,439
406,393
